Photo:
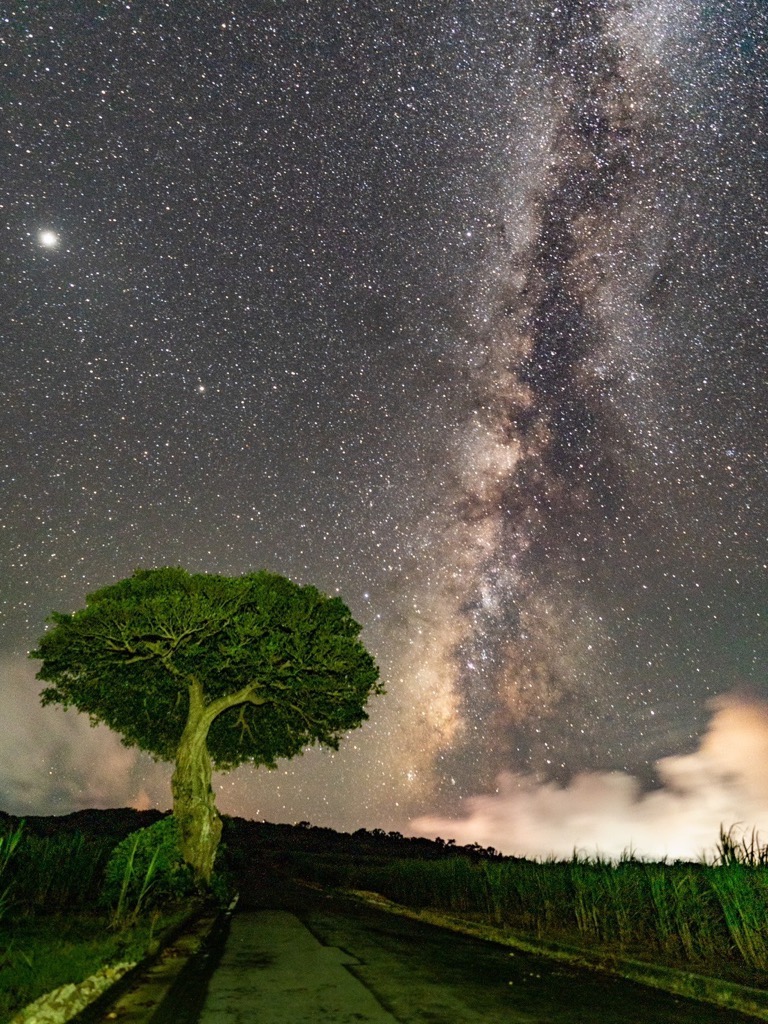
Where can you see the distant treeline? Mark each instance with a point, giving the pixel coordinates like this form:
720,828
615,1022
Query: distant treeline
116,823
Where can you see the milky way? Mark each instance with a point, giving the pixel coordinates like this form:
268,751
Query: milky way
578,468
455,310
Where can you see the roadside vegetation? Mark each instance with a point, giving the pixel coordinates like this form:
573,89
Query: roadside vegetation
72,902
711,918
96,888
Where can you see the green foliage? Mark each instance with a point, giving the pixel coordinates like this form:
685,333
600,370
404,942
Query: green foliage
8,843
285,662
146,869
50,935
747,848
701,914
39,954
54,875
742,894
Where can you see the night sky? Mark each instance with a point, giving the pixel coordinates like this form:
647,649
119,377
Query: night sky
455,309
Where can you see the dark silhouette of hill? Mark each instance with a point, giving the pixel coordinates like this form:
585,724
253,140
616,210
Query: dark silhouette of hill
254,838
307,838
91,823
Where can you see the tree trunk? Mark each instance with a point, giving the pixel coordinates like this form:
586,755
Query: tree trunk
194,804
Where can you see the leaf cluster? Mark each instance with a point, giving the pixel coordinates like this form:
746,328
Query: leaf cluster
282,664
147,868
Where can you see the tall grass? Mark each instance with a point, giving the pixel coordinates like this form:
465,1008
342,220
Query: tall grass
128,909
747,849
51,875
50,934
8,844
742,894
701,914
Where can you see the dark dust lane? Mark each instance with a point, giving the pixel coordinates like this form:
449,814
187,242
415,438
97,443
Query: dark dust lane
414,973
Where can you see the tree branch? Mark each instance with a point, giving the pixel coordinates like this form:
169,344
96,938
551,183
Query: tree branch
304,715
247,695
244,727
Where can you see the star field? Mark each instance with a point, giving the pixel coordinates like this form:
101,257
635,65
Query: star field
456,310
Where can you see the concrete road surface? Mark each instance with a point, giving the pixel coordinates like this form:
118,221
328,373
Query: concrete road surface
297,955
274,971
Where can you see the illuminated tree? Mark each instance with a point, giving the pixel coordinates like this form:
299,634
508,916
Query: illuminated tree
210,672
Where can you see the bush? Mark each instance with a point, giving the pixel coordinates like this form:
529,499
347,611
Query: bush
146,869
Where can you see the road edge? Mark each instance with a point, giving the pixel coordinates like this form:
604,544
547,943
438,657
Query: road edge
90,1000
725,994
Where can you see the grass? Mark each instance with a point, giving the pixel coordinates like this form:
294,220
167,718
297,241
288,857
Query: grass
38,954
8,844
55,874
49,933
127,912
710,918
705,917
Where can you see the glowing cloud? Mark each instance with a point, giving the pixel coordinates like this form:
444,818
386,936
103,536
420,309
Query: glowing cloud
722,782
52,761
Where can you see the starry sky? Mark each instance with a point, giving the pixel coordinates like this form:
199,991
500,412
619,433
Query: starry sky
456,310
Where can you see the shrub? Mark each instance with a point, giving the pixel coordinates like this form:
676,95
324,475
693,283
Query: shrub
146,869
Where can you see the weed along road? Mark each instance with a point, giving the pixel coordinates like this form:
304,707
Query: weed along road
313,959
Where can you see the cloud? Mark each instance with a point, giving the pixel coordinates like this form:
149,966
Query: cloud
723,781
53,762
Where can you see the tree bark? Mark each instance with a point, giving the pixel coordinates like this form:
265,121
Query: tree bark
194,804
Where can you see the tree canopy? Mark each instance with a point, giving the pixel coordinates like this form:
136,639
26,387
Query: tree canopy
283,661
